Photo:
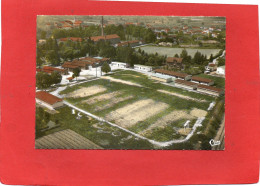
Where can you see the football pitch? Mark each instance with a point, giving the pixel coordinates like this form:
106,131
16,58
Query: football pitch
133,101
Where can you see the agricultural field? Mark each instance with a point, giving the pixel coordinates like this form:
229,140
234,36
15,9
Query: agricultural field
170,52
92,134
134,102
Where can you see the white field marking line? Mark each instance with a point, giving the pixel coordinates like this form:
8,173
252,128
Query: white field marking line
211,105
161,144
121,81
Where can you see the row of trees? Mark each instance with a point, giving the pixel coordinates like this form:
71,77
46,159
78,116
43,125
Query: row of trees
124,32
54,53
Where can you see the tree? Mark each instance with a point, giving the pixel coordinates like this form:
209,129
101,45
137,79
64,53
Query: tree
211,58
43,35
221,61
39,61
76,72
56,77
105,68
176,55
43,80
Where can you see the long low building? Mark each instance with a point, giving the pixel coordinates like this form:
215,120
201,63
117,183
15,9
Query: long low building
48,100
49,70
210,90
185,84
119,64
200,80
177,75
162,77
143,68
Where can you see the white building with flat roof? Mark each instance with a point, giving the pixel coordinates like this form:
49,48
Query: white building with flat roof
221,70
143,68
116,64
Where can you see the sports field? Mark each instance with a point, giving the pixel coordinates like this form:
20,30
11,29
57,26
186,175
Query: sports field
133,101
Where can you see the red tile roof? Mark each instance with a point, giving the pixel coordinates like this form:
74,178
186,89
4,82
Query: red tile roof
49,69
53,69
171,73
68,21
212,65
215,89
188,83
173,60
200,79
70,78
47,98
71,38
78,22
107,37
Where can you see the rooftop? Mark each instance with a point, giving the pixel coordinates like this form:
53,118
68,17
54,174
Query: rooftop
47,98
174,59
215,89
185,82
200,79
107,37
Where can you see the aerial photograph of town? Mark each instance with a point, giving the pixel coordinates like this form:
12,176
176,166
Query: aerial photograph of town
130,82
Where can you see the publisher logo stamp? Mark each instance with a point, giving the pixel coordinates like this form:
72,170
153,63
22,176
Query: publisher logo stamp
212,142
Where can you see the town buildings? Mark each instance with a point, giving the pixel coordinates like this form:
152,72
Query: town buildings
113,39
85,63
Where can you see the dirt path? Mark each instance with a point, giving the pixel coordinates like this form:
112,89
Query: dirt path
181,96
121,81
86,91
